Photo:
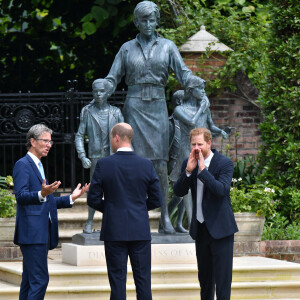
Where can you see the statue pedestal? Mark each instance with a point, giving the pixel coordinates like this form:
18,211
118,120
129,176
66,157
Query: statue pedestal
88,250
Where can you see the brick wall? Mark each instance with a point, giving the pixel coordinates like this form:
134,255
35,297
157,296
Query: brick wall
284,250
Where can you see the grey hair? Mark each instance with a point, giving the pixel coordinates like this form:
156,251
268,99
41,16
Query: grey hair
35,132
107,84
145,8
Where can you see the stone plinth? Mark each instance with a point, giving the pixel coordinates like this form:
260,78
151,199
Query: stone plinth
88,250
94,255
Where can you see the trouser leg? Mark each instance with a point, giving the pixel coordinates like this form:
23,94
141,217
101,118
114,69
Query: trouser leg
35,279
140,259
222,251
215,258
116,254
205,263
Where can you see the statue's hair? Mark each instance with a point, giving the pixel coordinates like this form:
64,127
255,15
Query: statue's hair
35,132
200,130
177,98
123,130
107,84
193,82
145,8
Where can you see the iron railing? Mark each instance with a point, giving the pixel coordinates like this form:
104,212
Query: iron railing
59,111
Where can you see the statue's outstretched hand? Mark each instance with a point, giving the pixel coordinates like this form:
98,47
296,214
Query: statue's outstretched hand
224,134
86,162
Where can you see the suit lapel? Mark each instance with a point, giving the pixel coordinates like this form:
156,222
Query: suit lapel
214,162
34,167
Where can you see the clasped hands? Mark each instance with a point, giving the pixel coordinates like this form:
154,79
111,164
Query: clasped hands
51,188
194,157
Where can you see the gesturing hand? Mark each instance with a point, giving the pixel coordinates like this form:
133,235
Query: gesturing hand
192,161
78,192
49,189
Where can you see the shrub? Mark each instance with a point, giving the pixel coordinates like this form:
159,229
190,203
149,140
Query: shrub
7,204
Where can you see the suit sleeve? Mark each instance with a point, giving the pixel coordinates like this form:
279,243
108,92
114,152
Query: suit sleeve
63,202
95,194
21,177
219,187
154,199
183,183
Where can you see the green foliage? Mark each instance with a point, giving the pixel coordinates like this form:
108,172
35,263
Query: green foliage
246,169
289,203
7,204
6,182
45,43
278,228
256,198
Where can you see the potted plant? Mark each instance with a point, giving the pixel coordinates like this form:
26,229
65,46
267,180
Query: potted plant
7,211
251,204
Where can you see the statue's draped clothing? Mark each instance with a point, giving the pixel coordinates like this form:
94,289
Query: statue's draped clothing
145,107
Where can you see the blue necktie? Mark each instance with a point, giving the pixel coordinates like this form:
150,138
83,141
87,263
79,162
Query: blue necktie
41,170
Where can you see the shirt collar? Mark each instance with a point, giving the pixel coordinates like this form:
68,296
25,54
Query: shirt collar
138,38
124,149
208,159
35,159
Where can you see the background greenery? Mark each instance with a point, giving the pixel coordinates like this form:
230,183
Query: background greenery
43,43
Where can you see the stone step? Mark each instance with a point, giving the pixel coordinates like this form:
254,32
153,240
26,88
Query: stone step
257,291
72,220
253,278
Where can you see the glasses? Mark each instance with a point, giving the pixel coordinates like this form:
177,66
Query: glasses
47,142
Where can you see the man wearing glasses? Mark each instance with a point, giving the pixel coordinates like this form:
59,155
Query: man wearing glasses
36,222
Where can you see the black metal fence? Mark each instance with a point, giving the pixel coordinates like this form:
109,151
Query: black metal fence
59,111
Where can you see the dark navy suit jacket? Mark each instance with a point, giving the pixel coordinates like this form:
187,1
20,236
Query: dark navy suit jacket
216,206
130,188
32,220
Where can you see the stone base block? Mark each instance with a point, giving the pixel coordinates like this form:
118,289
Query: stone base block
94,255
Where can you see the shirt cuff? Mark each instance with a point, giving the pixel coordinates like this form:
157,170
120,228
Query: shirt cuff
41,198
71,201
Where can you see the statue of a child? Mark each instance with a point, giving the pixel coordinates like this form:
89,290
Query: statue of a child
96,120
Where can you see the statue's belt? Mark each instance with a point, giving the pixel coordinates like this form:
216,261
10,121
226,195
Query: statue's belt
146,92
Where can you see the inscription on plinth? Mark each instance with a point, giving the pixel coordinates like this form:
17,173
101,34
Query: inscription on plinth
78,255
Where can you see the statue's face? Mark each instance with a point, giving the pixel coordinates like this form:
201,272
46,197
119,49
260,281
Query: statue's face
100,95
198,93
147,24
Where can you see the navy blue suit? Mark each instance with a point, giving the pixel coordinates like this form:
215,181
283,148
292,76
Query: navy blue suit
214,237
130,188
34,231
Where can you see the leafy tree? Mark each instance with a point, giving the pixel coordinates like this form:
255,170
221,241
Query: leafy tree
45,42
279,98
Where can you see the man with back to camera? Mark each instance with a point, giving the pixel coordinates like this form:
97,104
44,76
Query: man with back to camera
36,228
209,173
130,188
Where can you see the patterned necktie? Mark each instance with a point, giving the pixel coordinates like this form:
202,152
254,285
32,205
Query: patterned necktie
41,170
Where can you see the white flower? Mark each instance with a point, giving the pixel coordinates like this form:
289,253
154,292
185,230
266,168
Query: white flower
234,180
269,190
240,179
267,182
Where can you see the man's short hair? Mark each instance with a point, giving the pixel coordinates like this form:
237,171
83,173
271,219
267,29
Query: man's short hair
199,131
124,132
35,132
